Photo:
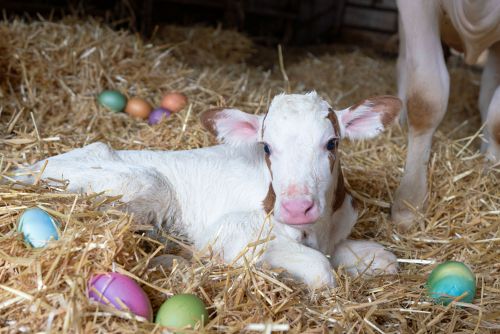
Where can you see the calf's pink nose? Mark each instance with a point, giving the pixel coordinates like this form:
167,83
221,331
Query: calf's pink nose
297,206
299,211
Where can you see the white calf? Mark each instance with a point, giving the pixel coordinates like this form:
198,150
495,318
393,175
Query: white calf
471,26
283,164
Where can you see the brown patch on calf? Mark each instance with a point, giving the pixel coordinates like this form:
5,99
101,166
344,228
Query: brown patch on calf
419,113
340,192
270,200
335,122
387,105
331,159
495,132
332,117
268,163
208,119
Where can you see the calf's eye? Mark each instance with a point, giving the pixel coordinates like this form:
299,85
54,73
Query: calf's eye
332,144
267,149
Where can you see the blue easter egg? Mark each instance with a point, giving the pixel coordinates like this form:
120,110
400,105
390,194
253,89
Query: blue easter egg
38,227
450,280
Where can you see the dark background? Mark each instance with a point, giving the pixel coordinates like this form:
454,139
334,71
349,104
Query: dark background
294,22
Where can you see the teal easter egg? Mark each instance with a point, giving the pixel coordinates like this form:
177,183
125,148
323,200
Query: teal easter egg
38,227
450,280
112,100
182,311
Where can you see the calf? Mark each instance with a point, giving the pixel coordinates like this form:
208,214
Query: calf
283,165
471,26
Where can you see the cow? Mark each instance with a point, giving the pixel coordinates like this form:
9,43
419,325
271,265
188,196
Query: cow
470,26
275,176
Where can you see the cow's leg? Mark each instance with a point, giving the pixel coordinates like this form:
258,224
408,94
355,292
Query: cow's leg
233,237
364,257
489,104
427,89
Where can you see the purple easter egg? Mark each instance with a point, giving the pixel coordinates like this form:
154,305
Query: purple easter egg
122,292
158,115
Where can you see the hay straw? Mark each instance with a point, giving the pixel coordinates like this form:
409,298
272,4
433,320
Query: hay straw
51,73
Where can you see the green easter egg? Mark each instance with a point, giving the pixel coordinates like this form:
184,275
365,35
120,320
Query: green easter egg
450,280
112,100
182,311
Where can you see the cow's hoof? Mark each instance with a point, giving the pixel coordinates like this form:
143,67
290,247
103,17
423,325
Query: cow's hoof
403,217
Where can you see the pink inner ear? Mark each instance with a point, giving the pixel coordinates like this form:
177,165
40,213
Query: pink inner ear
244,129
360,122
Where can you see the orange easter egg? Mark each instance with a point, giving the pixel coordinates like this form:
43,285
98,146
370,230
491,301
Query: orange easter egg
174,102
137,107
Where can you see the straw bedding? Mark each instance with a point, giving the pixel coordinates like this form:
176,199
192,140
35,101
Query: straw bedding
50,75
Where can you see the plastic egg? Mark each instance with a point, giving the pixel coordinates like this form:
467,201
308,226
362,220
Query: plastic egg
38,227
450,280
112,100
137,107
121,292
174,102
158,115
182,311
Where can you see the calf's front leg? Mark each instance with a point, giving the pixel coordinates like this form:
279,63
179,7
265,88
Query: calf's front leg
235,233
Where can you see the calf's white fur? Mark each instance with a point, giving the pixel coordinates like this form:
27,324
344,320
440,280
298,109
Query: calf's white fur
283,165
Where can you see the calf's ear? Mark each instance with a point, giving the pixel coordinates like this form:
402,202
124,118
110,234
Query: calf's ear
232,126
368,118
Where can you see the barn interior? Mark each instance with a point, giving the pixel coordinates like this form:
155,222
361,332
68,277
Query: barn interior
57,56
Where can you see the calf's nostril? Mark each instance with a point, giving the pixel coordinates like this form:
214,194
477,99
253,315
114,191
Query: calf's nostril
309,208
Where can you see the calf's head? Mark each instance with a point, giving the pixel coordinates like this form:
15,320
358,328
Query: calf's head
298,139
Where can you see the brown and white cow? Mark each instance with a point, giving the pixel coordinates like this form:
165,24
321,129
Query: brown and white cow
470,26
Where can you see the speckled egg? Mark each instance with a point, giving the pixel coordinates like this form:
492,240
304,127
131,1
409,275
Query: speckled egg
450,280
138,108
112,100
121,292
38,227
182,311
174,102
158,115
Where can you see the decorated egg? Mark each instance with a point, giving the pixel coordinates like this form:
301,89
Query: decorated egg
112,100
38,227
174,102
158,115
182,311
137,107
450,280
121,292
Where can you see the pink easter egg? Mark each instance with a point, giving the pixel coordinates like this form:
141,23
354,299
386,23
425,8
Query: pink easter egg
122,292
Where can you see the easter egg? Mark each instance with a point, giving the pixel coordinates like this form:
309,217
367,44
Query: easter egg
182,311
158,115
112,100
121,292
137,107
174,102
38,227
450,280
